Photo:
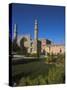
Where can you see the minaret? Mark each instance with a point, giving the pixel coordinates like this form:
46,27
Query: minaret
36,36
15,32
36,30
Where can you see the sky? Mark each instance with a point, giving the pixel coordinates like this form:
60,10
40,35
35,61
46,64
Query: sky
51,21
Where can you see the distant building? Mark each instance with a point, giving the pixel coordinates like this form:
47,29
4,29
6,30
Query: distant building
33,46
37,45
54,49
44,42
48,47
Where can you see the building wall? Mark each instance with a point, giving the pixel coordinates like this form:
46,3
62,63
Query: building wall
55,49
34,47
45,42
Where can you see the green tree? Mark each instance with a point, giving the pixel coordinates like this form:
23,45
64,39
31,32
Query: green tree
15,46
23,48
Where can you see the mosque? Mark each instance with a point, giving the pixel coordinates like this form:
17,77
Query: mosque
37,45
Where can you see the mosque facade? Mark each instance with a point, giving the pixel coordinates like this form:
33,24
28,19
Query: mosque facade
37,45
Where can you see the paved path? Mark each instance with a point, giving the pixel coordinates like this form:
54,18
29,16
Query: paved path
23,57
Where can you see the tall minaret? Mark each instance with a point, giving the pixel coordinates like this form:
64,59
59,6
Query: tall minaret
15,32
36,30
36,36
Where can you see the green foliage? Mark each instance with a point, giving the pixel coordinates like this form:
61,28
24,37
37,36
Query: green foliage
37,72
46,59
33,55
22,82
56,75
39,80
19,50
14,46
60,58
31,81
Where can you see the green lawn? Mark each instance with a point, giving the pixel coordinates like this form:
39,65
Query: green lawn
37,73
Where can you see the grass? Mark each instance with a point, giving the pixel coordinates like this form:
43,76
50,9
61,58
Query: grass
38,73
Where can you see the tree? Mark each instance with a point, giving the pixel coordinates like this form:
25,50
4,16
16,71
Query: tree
15,46
23,48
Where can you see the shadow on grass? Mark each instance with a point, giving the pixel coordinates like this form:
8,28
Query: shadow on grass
32,70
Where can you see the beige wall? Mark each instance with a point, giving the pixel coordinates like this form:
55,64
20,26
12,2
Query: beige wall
55,49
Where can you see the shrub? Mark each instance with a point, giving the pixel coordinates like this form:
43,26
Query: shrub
56,75
41,80
33,55
22,82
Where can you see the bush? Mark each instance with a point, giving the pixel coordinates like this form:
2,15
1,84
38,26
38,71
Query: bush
61,58
33,55
56,75
22,82
38,80
41,80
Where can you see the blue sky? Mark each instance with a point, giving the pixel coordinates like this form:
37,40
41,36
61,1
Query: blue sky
51,21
